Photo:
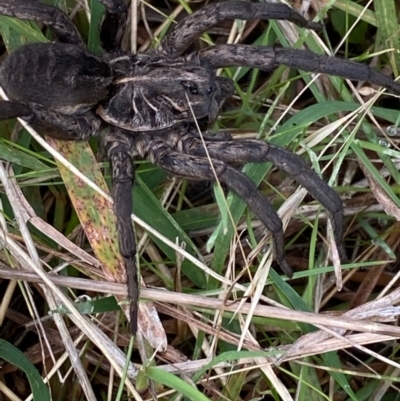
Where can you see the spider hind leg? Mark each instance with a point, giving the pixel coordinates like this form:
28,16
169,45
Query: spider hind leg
111,30
13,110
189,29
48,122
113,25
52,16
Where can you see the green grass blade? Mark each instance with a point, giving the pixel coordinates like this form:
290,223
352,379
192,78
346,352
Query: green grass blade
176,383
13,355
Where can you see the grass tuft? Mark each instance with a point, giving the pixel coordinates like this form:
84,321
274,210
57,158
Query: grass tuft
230,327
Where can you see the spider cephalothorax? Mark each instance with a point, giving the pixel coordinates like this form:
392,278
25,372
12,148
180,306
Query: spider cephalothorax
150,101
184,90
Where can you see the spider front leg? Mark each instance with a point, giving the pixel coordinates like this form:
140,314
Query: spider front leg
188,30
257,151
266,58
123,174
199,169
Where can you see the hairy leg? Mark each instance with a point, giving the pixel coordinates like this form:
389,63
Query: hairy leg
267,58
113,25
13,110
189,29
111,30
53,17
199,169
48,122
123,174
256,151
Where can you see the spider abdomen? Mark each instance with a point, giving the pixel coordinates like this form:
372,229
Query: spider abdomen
60,77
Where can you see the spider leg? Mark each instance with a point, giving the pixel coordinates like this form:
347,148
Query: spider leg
53,17
13,110
111,30
267,58
199,169
123,174
113,25
189,29
48,122
257,151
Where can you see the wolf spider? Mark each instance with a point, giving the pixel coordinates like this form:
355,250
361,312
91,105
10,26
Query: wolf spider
148,103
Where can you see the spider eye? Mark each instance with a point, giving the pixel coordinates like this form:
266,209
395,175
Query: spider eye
210,90
191,86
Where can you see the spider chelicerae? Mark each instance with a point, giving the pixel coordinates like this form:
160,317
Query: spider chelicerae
147,105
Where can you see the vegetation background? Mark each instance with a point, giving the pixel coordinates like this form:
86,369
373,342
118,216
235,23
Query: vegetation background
218,345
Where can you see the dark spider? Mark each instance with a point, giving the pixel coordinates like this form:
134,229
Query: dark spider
148,100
